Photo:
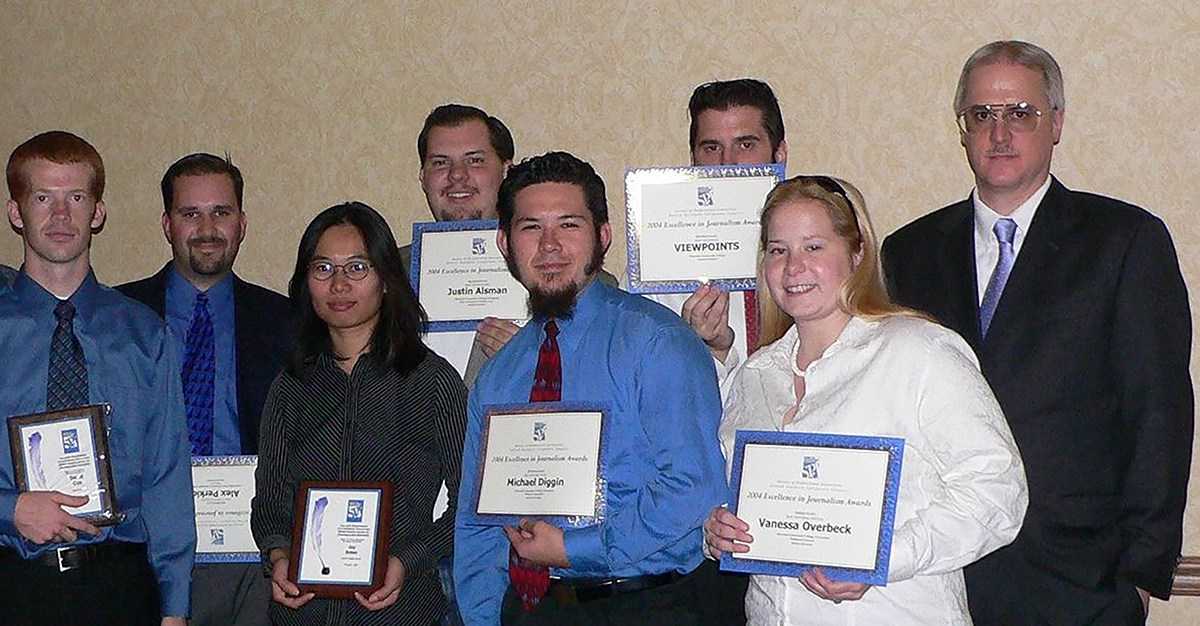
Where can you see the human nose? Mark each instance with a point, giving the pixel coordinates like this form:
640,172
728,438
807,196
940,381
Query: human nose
998,130
59,207
339,282
549,241
795,264
458,171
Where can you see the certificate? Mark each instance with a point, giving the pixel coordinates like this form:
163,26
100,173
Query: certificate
340,537
222,488
460,276
67,451
816,500
541,460
686,226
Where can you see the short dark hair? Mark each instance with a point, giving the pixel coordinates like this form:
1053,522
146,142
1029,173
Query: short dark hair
55,146
721,95
552,167
396,341
454,115
199,164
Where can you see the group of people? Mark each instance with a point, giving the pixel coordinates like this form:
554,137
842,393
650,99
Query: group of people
1029,344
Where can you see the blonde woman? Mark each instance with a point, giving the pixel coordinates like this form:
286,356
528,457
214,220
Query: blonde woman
837,356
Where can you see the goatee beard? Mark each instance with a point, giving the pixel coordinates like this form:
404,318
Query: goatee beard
558,304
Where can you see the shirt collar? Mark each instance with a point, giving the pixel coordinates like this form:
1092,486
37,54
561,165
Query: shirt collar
778,355
84,299
179,287
986,217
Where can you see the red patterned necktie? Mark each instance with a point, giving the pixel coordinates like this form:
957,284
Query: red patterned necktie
530,580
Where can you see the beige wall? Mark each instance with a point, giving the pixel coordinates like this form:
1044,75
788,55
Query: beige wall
321,102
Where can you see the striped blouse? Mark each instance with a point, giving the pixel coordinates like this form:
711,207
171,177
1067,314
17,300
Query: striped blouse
371,425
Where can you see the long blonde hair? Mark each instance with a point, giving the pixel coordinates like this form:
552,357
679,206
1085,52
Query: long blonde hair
863,293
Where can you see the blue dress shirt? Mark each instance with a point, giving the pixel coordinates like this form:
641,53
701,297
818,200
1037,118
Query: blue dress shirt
180,302
132,366
665,470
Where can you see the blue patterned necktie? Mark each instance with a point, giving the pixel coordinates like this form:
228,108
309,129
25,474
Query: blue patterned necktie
199,374
67,378
1004,230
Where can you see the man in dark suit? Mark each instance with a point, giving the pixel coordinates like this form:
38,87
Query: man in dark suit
1076,307
198,295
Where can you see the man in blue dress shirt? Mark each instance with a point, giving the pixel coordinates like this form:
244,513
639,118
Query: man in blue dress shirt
658,384
60,569
204,222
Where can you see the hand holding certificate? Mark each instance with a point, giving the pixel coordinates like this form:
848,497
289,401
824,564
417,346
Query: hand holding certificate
460,276
812,500
543,461
691,225
67,451
340,537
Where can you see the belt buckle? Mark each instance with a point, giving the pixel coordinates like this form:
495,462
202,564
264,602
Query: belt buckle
62,566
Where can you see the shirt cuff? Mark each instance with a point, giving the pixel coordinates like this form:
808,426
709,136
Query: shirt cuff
8,513
175,598
732,359
585,549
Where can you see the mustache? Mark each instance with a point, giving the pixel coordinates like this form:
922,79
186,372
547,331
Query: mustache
197,241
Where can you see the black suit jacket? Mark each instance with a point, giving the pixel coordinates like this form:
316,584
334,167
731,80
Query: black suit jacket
263,331
1088,354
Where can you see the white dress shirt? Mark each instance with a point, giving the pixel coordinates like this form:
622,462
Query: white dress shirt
987,249
962,486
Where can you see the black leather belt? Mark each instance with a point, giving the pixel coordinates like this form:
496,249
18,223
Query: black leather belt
67,558
584,590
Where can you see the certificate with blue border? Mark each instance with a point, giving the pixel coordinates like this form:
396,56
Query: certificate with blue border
544,460
460,276
222,488
815,499
686,226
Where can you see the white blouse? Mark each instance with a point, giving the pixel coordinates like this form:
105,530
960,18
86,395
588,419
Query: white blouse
962,484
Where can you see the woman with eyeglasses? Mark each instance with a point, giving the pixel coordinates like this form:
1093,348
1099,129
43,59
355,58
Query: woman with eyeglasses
361,399
837,356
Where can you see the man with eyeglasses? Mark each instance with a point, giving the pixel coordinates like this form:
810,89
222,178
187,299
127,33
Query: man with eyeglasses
232,336
1077,309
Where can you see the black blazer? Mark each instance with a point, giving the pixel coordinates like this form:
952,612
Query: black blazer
263,331
1088,354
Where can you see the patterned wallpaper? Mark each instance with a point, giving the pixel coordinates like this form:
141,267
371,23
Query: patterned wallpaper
321,102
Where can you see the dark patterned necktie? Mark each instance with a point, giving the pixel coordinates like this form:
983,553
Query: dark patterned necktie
67,378
199,375
531,581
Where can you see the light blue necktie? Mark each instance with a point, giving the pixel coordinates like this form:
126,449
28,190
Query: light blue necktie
1004,229
199,377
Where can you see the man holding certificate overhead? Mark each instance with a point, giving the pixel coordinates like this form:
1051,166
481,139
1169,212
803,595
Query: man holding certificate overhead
71,347
733,122
848,365
629,557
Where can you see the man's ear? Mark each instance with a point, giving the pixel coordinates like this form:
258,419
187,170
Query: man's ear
502,242
98,216
14,215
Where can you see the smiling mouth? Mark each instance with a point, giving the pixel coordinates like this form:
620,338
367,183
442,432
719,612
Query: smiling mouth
459,194
799,289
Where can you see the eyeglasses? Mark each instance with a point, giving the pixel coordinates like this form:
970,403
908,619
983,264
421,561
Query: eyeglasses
354,270
1021,117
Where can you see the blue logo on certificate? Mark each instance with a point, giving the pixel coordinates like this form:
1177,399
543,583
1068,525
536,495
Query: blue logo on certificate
477,246
354,511
70,439
704,196
539,431
811,467
217,536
